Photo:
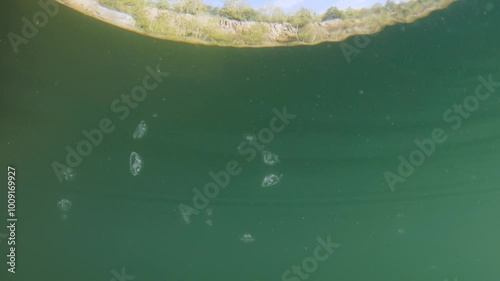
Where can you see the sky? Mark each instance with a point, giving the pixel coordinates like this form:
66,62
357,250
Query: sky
315,5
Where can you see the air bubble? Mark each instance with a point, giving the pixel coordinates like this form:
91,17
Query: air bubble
269,158
270,180
64,205
141,130
136,163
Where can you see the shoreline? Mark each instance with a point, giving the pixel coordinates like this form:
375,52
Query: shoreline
206,29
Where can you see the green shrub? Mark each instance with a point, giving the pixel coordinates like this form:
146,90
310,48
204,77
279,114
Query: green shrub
162,4
214,11
350,14
302,17
311,33
194,7
390,5
126,6
255,34
271,13
331,14
239,10
246,14
217,34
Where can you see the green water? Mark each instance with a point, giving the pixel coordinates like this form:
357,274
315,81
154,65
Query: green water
353,120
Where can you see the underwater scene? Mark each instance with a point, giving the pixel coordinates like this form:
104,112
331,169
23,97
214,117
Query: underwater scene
256,140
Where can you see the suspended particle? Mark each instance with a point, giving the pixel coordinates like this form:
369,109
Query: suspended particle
270,180
247,238
209,212
269,158
185,219
141,130
186,213
185,216
250,137
209,222
136,163
69,174
64,205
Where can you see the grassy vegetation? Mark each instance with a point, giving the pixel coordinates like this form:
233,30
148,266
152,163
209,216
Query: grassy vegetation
255,34
238,10
241,11
303,17
271,13
192,19
135,8
194,7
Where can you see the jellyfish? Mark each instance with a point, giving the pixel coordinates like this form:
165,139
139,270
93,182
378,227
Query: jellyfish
247,238
64,205
136,163
250,137
141,130
270,180
269,158
69,174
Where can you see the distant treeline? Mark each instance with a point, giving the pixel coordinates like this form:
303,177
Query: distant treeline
240,10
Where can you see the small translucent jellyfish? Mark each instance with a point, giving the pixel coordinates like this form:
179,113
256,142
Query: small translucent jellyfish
186,213
136,163
140,130
209,222
269,158
247,238
69,174
64,205
270,180
250,137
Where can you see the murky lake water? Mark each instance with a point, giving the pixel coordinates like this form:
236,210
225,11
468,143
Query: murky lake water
384,163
